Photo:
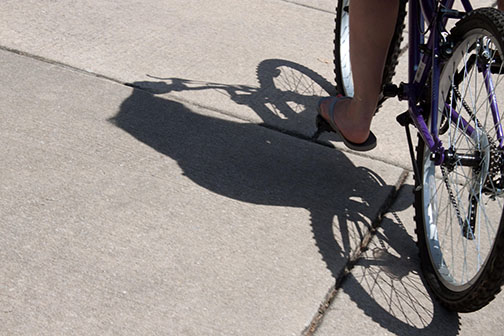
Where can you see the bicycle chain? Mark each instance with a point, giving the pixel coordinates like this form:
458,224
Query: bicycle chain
492,182
450,194
472,198
466,106
496,157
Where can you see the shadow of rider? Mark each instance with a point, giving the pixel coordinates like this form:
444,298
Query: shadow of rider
249,163
253,164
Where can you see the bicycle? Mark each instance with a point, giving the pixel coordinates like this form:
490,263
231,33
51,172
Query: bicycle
458,167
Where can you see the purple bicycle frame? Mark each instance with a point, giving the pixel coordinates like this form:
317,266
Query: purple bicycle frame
421,67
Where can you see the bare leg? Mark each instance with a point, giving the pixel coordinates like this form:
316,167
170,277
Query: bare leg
372,25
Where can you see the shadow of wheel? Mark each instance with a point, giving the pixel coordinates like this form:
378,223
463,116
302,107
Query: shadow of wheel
291,92
394,262
388,286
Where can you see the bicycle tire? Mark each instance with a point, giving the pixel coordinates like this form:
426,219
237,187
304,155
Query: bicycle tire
342,66
458,209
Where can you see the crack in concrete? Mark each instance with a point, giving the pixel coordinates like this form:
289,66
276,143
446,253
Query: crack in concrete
333,291
202,106
308,6
355,257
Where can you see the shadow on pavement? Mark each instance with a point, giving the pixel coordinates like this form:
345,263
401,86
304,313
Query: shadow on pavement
251,164
285,98
387,283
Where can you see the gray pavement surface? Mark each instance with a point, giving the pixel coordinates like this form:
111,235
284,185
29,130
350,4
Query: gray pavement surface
155,179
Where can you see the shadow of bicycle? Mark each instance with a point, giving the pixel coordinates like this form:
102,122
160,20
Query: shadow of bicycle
245,162
387,284
285,98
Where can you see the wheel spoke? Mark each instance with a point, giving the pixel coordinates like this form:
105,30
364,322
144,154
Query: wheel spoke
463,202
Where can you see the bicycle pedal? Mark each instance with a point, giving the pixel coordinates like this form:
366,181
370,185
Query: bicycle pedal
390,90
404,119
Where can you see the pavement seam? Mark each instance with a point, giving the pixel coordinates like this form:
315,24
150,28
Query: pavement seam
355,257
292,133
308,6
61,64
375,224
282,130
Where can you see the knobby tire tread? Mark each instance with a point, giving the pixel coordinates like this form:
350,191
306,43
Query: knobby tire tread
392,55
490,280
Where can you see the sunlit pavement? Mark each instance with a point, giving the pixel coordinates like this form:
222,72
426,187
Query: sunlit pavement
158,179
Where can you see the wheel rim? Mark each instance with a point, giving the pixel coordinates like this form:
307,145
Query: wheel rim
346,69
456,197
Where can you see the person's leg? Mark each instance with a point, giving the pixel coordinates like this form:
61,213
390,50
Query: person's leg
372,24
500,4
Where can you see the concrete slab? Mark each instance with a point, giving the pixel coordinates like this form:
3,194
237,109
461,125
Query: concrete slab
129,212
322,5
123,212
272,60
206,42
385,293
220,55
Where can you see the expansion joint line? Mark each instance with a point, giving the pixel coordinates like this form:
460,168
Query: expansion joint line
355,257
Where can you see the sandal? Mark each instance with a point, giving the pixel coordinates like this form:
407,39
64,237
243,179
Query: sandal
324,125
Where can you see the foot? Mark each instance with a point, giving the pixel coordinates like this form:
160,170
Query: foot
354,126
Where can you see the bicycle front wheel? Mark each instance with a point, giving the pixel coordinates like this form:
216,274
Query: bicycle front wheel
459,207
342,66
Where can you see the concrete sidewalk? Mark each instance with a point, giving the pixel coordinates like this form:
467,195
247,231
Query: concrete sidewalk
156,179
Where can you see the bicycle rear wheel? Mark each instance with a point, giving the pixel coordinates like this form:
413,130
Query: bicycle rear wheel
459,207
342,66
